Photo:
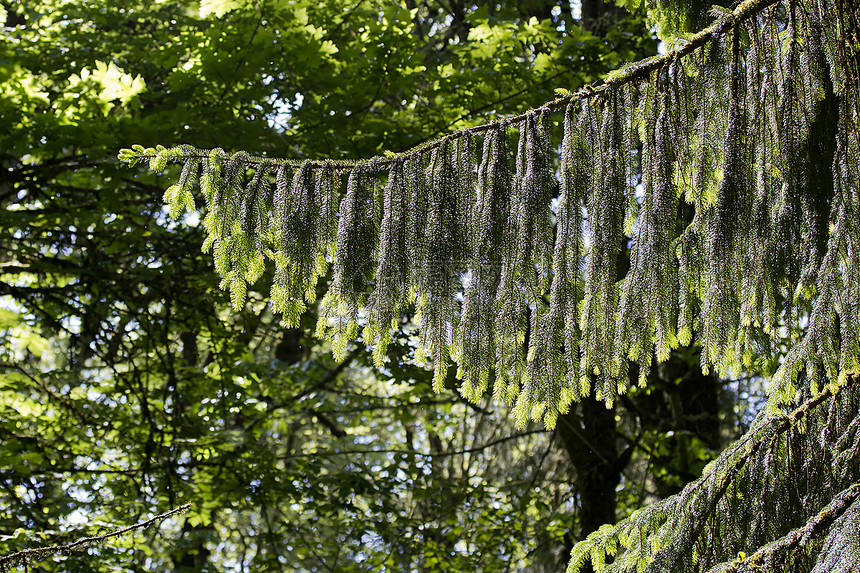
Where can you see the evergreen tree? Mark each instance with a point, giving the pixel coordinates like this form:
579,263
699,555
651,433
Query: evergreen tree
509,251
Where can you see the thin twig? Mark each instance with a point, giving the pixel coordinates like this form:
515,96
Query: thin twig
399,452
43,552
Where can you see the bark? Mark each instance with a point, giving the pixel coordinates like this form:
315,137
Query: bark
587,434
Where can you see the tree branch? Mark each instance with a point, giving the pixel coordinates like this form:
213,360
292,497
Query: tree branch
416,454
623,75
43,552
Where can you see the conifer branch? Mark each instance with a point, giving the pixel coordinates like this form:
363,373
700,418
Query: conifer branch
815,526
514,271
629,73
777,425
698,521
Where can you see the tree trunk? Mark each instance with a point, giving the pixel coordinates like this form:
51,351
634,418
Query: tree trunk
191,554
587,434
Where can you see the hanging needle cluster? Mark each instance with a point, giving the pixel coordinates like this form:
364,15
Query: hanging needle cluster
711,193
